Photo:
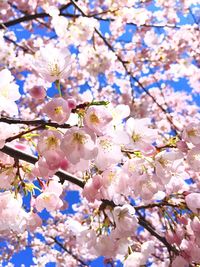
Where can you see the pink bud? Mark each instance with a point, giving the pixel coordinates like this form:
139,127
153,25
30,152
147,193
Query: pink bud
97,181
38,92
64,164
71,103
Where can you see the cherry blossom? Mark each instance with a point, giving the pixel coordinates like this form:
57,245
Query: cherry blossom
92,105
53,63
78,144
49,199
9,92
58,110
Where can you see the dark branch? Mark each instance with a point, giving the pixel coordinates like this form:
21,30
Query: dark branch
17,154
68,251
32,17
34,122
151,230
144,223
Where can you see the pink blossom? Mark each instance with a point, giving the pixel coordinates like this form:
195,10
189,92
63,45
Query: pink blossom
192,133
108,153
9,92
50,198
54,159
193,158
91,189
125,219
49,140
53,63
140,135
97,118
193,202
78,144
13,217
134,259
58,109
49,201
37,92
167,164
137,259
33,221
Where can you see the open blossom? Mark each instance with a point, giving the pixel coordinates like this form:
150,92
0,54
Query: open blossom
13,217
141,179
108,152
167,164
137,259
49,140
193,202
58,109
50,198
193,158
192,133
53,63
92,188
140,135
78,144
9,92
125,219
98,119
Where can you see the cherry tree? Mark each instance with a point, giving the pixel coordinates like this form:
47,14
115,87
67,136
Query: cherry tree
98,97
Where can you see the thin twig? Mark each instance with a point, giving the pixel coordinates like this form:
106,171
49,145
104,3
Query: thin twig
34,122
68,251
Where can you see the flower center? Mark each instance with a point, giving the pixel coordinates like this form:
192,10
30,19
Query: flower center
79,138
192,133
54,69
52,141
105,144
94,119
58,110
136,137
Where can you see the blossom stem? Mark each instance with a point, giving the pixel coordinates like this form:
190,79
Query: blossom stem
57,82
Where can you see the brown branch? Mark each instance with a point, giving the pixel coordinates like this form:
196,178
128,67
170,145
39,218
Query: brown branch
68,251
34,122
19,135
25,49
17,154
144,223
30,17
136,80
153,205
124,64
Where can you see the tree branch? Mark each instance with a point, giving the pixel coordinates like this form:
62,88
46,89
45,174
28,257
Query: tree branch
144,223
34,122
149,228
68,251
124,64
17,154
32,17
